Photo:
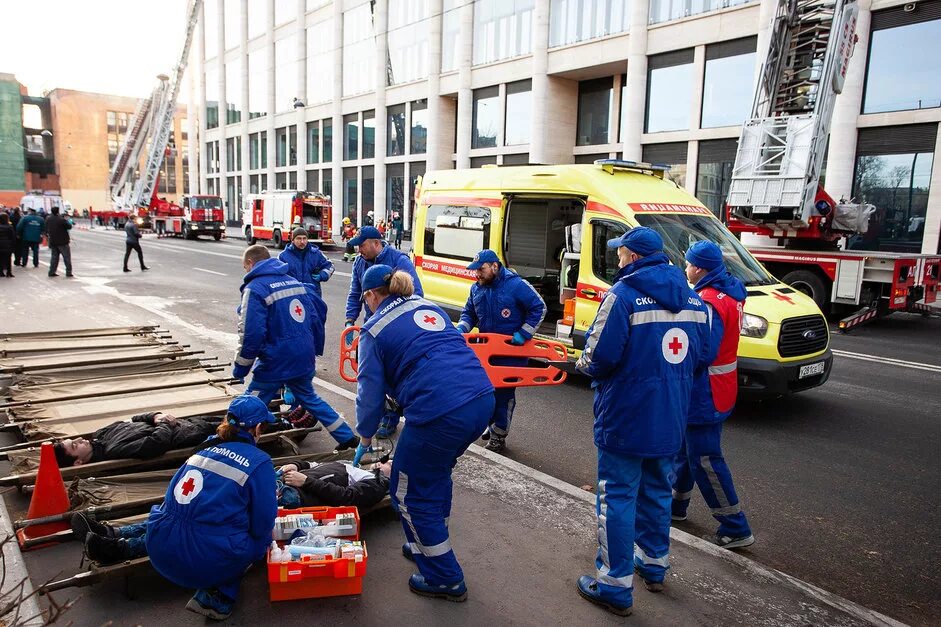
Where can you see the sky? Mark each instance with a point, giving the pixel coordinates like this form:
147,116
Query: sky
106,46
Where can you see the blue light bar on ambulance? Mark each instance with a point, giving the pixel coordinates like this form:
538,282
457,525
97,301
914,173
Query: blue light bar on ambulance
610,165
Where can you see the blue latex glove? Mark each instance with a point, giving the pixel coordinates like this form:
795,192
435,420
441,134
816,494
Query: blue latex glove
324,275
518,339
288,396
315,277
361,450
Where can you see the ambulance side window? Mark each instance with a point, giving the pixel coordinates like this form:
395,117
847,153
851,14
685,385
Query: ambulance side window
604,260
457,232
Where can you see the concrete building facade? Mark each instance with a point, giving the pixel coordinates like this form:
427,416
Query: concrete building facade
355,98
27,147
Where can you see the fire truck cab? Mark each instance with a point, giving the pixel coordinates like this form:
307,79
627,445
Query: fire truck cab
271,216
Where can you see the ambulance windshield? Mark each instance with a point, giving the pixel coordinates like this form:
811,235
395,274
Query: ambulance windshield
679,231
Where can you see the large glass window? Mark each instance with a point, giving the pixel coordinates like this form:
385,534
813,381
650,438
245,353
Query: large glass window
231,13
281,147
257,84
456,232
233,93
595,102
285,76
211,24
408,40
419,127
450,33
716,159
351,136
486,117
519,113
327,127
320,62
673,155
212,98
264,149
666,10
396,129
369,195
669,91
254,146
212,157
292,145
904,71
502,29
257,17
313,5
230,154
395,190
313,142
577,20
369,134
350,190
893,173
728,84
359,51
284,11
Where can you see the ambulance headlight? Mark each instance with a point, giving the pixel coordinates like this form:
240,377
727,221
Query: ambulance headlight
754,326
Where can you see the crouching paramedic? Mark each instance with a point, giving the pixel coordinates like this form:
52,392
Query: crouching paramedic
501,302
280,333
410,349
700,461
642,350
215,520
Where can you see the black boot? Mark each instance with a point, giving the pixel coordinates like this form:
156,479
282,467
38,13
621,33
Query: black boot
127,269
106,551
82,525
351,443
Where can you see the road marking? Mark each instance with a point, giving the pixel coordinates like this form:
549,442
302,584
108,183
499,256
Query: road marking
209,271
887,360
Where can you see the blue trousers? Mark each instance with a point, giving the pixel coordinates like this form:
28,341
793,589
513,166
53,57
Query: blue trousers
700,462
304,394
421,486
505,403
633,508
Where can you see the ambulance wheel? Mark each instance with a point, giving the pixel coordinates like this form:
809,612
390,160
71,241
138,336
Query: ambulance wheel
808,283
278,242
217,236
250,240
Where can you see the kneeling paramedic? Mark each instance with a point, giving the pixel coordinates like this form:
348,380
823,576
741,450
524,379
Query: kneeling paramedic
409,349
502,302
215,520
280,333
642,350
700,460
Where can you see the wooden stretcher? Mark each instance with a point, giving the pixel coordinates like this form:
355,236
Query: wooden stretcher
130,330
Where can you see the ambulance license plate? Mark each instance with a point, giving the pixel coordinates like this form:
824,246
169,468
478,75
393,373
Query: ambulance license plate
811,369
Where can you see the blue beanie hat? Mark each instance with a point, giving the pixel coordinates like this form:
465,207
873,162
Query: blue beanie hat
246,411
641,240
705,254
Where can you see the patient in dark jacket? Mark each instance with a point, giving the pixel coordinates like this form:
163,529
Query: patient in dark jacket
146,436
332,484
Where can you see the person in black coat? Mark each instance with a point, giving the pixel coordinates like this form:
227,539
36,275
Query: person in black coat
57,229
7,245
145,437
332,484
132,242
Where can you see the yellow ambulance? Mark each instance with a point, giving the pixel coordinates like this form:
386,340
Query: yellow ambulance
551,224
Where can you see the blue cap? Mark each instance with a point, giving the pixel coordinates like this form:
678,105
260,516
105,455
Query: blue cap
705,254
365,233
376,276
641,240
484,256
249,411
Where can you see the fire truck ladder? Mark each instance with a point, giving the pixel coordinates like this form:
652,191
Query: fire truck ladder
777,167
129,153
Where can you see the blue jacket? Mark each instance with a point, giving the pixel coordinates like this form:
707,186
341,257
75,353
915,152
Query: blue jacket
390,257
216,517
702,411
642,350
410,350
309,266
278,325
507,305
30,228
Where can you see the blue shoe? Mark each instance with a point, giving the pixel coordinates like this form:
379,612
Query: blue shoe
652,585
455,592
211,603
407,552
588,589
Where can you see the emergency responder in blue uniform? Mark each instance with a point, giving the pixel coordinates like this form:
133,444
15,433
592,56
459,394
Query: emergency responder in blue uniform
279,332
217,516
700,460
373,250
647,340
410,350
305,261
502,302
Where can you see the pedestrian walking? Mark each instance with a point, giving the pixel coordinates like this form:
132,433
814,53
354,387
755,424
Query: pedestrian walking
132,242
700,460
57,230
7,245
647,340
30,231
278,328
501,301
410,351
373,250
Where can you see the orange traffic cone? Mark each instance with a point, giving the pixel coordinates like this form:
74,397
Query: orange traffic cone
49,497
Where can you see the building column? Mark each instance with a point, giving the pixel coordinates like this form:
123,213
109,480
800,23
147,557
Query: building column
465,95
382,64
197,117
841,154
632,116
931,243
243,81
301,90
272,104
541,103
438,153
695,117
231,211
339,194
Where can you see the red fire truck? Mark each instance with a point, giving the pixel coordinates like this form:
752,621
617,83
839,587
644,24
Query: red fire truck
199,215
271,216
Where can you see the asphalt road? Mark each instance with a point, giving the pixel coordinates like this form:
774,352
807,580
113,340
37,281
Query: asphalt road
839,483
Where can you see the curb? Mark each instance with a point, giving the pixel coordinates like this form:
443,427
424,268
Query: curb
16,571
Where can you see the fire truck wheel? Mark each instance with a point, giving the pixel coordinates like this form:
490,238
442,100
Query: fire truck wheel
217,236
808,283
278,242
250,240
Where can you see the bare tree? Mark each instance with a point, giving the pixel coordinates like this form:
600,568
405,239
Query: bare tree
13,610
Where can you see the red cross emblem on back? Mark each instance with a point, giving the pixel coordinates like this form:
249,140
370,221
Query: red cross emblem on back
430,319
786,299
298,310
675,345
188,486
